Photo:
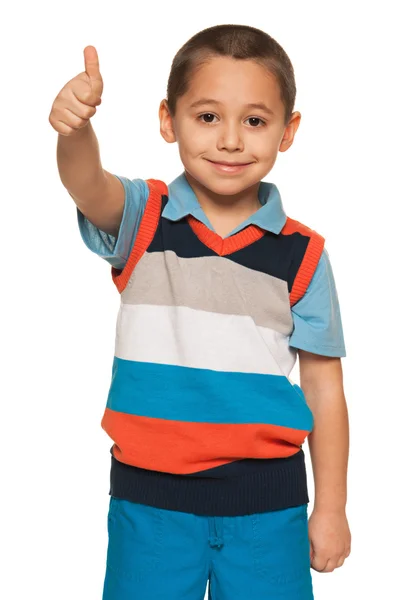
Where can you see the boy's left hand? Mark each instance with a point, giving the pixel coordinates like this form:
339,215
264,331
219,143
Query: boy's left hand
330,540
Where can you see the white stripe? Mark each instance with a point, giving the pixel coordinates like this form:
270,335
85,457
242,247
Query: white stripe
177,335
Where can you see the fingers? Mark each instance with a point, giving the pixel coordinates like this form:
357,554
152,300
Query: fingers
69,114
323,565
81,92
67,123
340,562
73,120
77,106
319,564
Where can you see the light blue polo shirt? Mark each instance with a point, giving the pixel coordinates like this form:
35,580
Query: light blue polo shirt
316,317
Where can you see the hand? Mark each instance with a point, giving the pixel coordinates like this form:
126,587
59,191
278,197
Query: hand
330,539
76,102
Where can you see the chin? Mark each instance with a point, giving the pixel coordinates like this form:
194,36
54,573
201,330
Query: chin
229,186
226,188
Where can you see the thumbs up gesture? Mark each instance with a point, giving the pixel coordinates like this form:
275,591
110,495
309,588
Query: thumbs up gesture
76,102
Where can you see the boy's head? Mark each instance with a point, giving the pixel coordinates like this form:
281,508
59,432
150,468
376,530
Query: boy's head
219,80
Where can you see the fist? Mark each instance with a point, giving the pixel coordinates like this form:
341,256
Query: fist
76,102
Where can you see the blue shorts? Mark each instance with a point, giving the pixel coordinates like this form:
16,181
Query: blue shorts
158,554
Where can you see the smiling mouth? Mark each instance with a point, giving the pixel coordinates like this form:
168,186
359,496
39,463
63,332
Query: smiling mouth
229,167
229,164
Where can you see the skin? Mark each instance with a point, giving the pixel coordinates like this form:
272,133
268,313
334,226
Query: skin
228,199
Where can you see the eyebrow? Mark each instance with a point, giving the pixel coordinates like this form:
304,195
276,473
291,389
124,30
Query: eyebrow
259,105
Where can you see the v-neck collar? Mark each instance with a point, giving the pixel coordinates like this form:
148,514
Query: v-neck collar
224,246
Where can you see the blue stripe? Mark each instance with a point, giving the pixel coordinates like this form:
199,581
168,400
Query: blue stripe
205,396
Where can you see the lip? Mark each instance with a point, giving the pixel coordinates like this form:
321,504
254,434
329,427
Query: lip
229,167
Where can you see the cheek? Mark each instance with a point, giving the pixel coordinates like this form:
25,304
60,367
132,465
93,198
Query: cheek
195,140
263,146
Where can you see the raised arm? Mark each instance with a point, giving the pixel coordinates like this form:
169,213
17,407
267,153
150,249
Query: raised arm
98,194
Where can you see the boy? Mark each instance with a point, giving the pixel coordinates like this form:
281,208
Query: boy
220,291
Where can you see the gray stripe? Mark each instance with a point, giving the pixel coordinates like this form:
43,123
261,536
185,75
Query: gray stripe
212,283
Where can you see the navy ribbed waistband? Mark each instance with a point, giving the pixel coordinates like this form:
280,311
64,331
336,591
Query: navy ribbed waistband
275,485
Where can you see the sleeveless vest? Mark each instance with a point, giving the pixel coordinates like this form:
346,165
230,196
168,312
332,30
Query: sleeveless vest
201,409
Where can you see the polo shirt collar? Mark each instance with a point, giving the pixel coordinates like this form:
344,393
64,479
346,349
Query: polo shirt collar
182,201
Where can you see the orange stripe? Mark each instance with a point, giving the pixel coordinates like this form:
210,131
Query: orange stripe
147,229
310,259
224,246
183,447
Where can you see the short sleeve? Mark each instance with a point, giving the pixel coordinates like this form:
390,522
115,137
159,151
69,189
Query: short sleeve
117,250
316,316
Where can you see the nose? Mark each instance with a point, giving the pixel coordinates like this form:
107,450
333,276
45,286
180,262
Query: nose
230,137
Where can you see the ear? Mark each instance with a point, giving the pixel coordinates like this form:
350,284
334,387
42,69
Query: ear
290,132
166,123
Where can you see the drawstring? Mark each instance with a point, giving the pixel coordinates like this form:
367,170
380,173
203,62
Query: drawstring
216,538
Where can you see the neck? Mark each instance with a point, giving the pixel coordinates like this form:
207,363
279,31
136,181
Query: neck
226,212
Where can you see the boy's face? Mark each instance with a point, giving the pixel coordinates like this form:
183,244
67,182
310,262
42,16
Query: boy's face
215,123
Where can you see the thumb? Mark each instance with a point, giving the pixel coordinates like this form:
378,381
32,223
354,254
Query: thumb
92,69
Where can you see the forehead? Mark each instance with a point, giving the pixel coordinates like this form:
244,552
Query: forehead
234,82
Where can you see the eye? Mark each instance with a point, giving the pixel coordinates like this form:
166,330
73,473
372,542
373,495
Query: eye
255,121
207,117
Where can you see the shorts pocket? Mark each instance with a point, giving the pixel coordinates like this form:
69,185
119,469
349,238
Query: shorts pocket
135,538
281,550
112,513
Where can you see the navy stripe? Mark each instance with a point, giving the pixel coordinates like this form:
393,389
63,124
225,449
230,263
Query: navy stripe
270,484
277,255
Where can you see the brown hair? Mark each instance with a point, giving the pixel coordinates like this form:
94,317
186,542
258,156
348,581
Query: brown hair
239,42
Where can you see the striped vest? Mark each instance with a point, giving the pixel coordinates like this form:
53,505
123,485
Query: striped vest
201,409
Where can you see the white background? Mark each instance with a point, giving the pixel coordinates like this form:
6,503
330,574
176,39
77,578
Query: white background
59,304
